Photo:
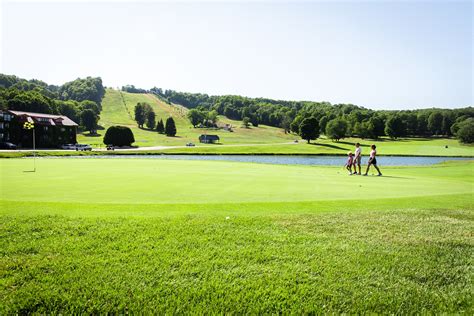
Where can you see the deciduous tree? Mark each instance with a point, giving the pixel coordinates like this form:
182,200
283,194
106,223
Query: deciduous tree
196,117
141,113
89,120
246,122
309,129
150,119
394,127
465,133
435,123
336,129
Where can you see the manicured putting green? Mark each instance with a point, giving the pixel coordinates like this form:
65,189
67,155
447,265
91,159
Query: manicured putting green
154,181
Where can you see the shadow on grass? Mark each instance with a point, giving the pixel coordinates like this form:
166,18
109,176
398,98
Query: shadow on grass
353,144
392,177
329,146
92,135
421,139
411,139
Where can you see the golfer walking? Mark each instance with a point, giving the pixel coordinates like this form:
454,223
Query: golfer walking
357,158
372,161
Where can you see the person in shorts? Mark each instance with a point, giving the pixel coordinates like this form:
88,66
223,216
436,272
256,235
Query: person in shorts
357,158
373,161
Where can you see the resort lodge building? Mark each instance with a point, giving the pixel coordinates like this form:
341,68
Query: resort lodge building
51,131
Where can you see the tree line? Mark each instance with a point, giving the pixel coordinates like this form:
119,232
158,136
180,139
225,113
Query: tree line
336,121
203,117
132,89
145,115
80,99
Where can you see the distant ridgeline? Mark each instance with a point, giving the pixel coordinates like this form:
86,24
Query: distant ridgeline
334,120
80,100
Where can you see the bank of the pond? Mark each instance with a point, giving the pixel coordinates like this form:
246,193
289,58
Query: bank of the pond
321,160
67,153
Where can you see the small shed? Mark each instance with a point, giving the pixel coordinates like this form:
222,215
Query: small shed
208,139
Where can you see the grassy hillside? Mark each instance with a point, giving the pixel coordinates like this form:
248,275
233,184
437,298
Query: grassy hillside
164,236
118,109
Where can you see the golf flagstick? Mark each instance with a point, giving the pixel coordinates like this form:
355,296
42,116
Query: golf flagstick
29,125
34,149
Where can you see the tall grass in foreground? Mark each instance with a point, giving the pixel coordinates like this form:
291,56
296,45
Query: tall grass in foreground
388,262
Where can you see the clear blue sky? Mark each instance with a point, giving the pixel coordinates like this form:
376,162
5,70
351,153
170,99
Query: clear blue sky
381,55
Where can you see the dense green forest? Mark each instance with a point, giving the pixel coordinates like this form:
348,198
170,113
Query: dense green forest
334,120
80,99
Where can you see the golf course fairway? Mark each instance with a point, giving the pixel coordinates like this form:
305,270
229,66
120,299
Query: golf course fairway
132,235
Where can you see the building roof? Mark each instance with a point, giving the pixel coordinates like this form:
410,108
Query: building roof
209,137
44,119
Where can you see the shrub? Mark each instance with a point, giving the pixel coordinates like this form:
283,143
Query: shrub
119,136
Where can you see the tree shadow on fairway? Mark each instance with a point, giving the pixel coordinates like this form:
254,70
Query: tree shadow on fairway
92,135
405,140
418,139
329,146
353,144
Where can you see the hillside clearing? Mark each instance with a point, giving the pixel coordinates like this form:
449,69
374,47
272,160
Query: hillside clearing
118,109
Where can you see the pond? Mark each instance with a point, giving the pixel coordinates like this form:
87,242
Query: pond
296,160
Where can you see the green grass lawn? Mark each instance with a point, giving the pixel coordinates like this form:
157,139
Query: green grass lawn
146,235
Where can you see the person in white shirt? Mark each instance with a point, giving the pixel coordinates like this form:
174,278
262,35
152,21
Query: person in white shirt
357,158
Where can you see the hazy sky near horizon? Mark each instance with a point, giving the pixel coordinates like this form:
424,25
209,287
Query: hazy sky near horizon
377,54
